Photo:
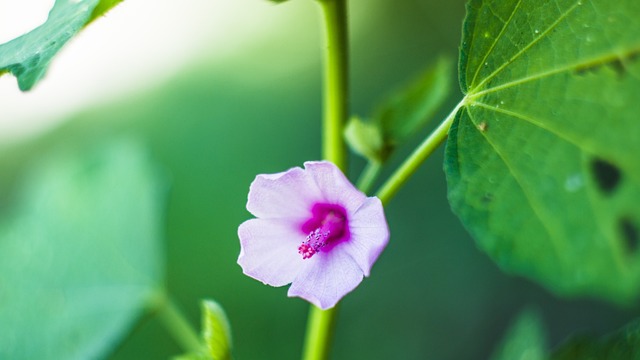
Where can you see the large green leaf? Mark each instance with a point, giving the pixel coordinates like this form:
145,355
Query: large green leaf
542,160
28,56
81,257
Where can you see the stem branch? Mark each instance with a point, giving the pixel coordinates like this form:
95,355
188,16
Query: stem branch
336,90
419,155
368,176
178,326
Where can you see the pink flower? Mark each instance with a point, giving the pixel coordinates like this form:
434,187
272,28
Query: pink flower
314,229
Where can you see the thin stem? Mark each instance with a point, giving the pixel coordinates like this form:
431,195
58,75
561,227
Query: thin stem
336,80
336,89
319,331
368,176
411,164
180,329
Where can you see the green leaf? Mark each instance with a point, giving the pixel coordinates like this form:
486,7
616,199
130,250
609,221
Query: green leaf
542,159
622,345
192,356
365,138
525,340
216,330
81,257
412,107
403,114
28,56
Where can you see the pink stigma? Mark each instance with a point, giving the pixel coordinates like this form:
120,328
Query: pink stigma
327,227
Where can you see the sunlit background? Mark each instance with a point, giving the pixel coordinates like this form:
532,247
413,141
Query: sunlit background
221,90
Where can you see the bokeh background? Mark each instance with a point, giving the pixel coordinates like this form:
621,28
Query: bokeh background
231,89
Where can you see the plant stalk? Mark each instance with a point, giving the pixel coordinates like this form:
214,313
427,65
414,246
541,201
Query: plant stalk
419,155
336,91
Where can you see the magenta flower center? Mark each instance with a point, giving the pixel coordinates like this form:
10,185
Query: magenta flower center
327,227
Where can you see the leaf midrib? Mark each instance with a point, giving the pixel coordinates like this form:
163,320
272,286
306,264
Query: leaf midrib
537,208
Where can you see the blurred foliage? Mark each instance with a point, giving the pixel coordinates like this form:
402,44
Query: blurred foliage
213,128
403,114
81,257
621,345
28,56
216,334
525,339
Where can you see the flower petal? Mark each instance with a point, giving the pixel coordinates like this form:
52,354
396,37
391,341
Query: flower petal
289,194
326,279
335,187
369,234
269,250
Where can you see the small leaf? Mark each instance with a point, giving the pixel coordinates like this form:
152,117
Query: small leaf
216,330
541,160
102,8
28,56
622,345
365,139
524,340
410,109
81,256
401,115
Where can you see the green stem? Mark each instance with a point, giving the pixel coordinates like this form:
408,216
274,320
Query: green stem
368,176
319,331
336,80
411,164
336,90
178,326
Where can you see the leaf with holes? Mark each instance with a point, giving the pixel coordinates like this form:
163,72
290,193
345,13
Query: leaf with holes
81,258
28,56
542,159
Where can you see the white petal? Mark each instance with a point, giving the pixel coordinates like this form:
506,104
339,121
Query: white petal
335,187
289,194
269,250
369,234
326,279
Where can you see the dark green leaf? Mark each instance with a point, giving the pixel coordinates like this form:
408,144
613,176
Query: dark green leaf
542,160
81,257
403,114
28,56
622,345
525,339
410,109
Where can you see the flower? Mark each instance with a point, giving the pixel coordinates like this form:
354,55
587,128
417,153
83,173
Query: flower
313,229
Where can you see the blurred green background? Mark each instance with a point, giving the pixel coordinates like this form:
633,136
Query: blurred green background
215,125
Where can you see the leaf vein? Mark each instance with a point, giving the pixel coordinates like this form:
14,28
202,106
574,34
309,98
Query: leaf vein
575,66
527,47
502,31
535,207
